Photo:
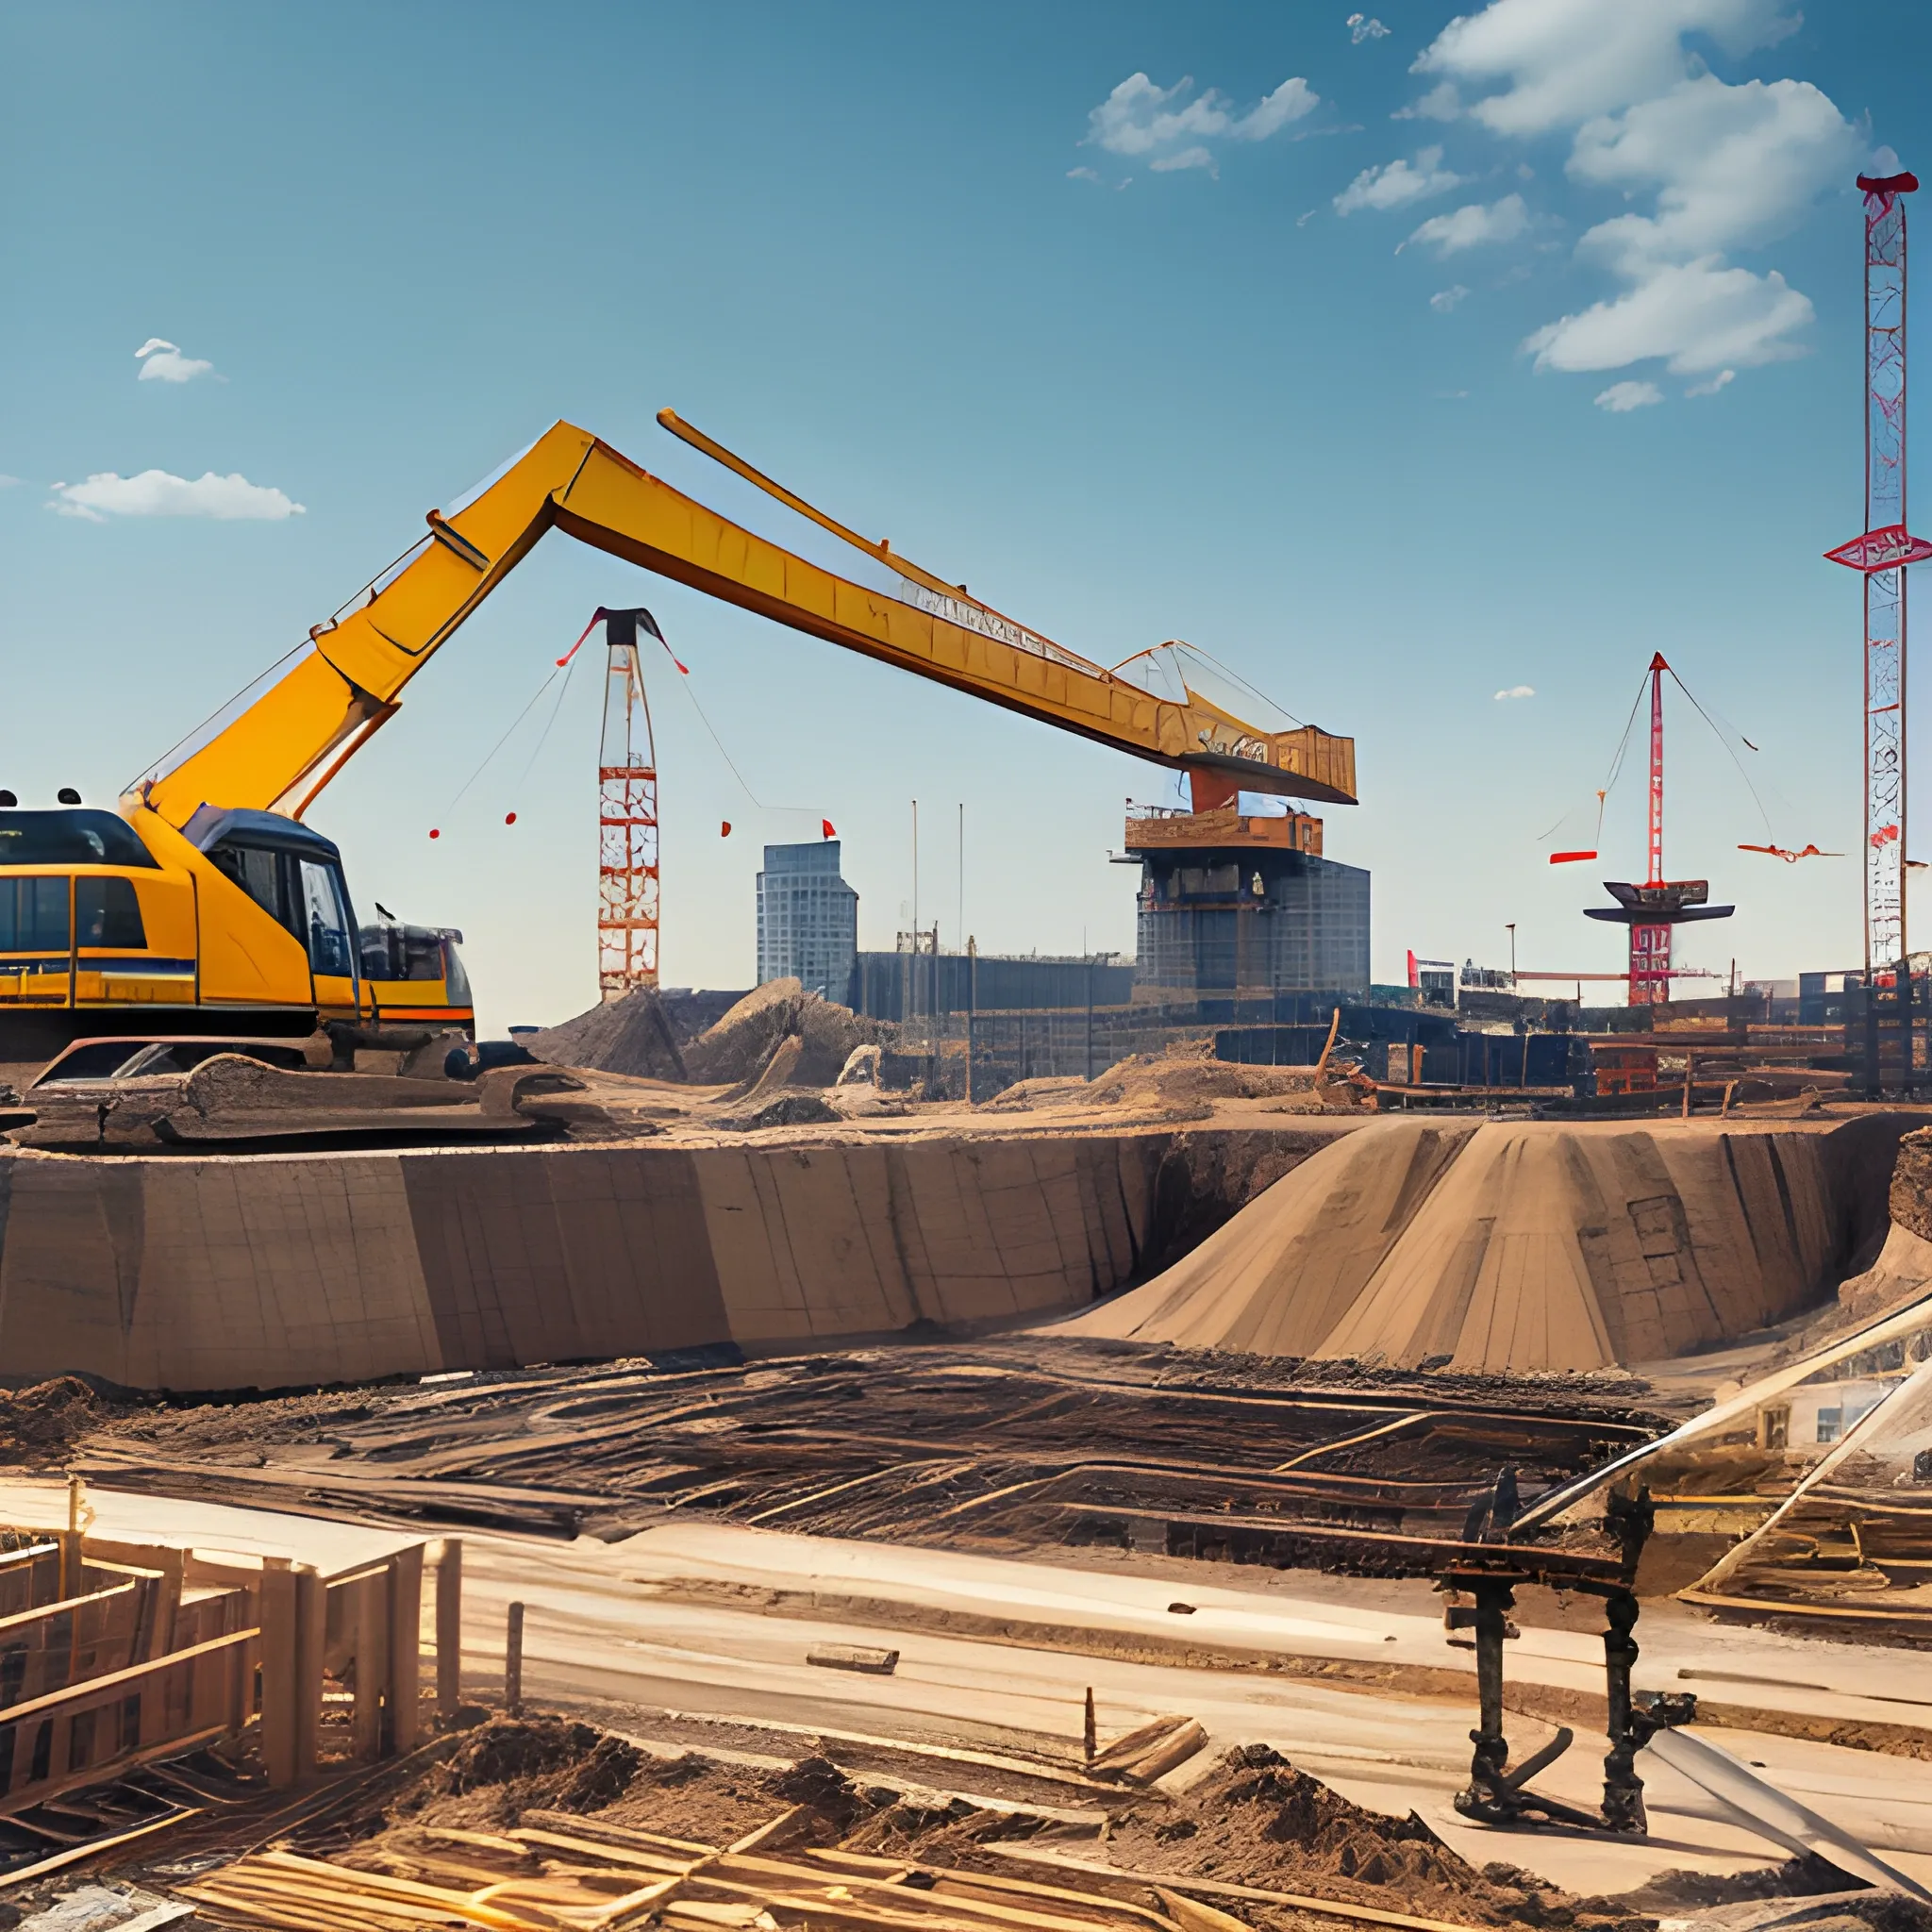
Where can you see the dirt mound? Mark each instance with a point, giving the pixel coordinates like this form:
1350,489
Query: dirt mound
1184,1080
742,1044
1256,1819
40,1423
1508,1246
629,1036
787,1111
513,1765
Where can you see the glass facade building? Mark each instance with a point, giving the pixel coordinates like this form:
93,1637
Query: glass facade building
1235,921
807,919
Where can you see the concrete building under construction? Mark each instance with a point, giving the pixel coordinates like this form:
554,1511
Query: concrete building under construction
1236,904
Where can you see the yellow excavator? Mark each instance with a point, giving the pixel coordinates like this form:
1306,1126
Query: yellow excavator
207,906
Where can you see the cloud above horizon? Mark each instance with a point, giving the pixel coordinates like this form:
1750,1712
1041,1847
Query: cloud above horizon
1516,691
1170,129
161,361
1395,184
1723,166
157,494
1473,226
1622,397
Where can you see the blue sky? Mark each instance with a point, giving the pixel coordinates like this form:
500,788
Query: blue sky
1146,322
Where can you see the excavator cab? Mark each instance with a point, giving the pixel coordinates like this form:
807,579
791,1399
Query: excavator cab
241,922
360,974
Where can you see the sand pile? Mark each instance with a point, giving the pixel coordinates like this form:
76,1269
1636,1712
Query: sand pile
1256,1819
1509,1245
740,1045
629,1036
1182,1082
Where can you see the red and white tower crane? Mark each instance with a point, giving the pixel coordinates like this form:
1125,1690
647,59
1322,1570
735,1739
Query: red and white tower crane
1651,909
626,815
1881,555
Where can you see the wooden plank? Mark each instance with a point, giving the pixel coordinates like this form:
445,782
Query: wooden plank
311,1643
404,1661
279,1676
98,1690
367,1604
449,1626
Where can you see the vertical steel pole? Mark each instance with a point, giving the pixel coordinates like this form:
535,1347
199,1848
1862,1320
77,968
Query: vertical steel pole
1882,555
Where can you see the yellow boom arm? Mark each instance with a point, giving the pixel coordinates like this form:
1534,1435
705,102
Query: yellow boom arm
279,752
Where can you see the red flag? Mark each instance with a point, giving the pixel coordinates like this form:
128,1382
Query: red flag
825,827
725,829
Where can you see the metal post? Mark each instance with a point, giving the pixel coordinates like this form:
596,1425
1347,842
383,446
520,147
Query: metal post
1487,1794
1622,1789
1089,1016
513,1662
971,1003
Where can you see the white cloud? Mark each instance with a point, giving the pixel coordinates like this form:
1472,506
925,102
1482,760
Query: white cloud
1695,316
156,494
1170,129
1622,397
1471,227
1444,300
1716,383
1082,175
1516,691
1361,28
161,361
1567,60
1732,167
1396,183
10,482
1442,103
1725,167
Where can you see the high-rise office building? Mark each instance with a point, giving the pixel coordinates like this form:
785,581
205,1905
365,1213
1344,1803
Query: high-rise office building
807,919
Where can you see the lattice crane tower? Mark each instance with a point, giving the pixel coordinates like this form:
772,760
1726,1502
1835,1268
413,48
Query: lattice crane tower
626,815
1881,555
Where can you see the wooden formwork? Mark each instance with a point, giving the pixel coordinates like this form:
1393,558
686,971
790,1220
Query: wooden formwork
115,1652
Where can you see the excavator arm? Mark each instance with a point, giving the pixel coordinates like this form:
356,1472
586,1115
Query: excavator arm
279,752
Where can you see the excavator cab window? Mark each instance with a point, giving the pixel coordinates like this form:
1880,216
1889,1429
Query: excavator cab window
106,913
325,920
33,915
262,875
456,980
306,896
70,838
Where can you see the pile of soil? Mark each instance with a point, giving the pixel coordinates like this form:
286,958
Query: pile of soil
629,1036
740,1045
1180,1083
787,1111
511,1766
41,1424
515,1765
1256,1819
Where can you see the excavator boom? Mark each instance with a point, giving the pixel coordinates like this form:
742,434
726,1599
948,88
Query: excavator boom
280,751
